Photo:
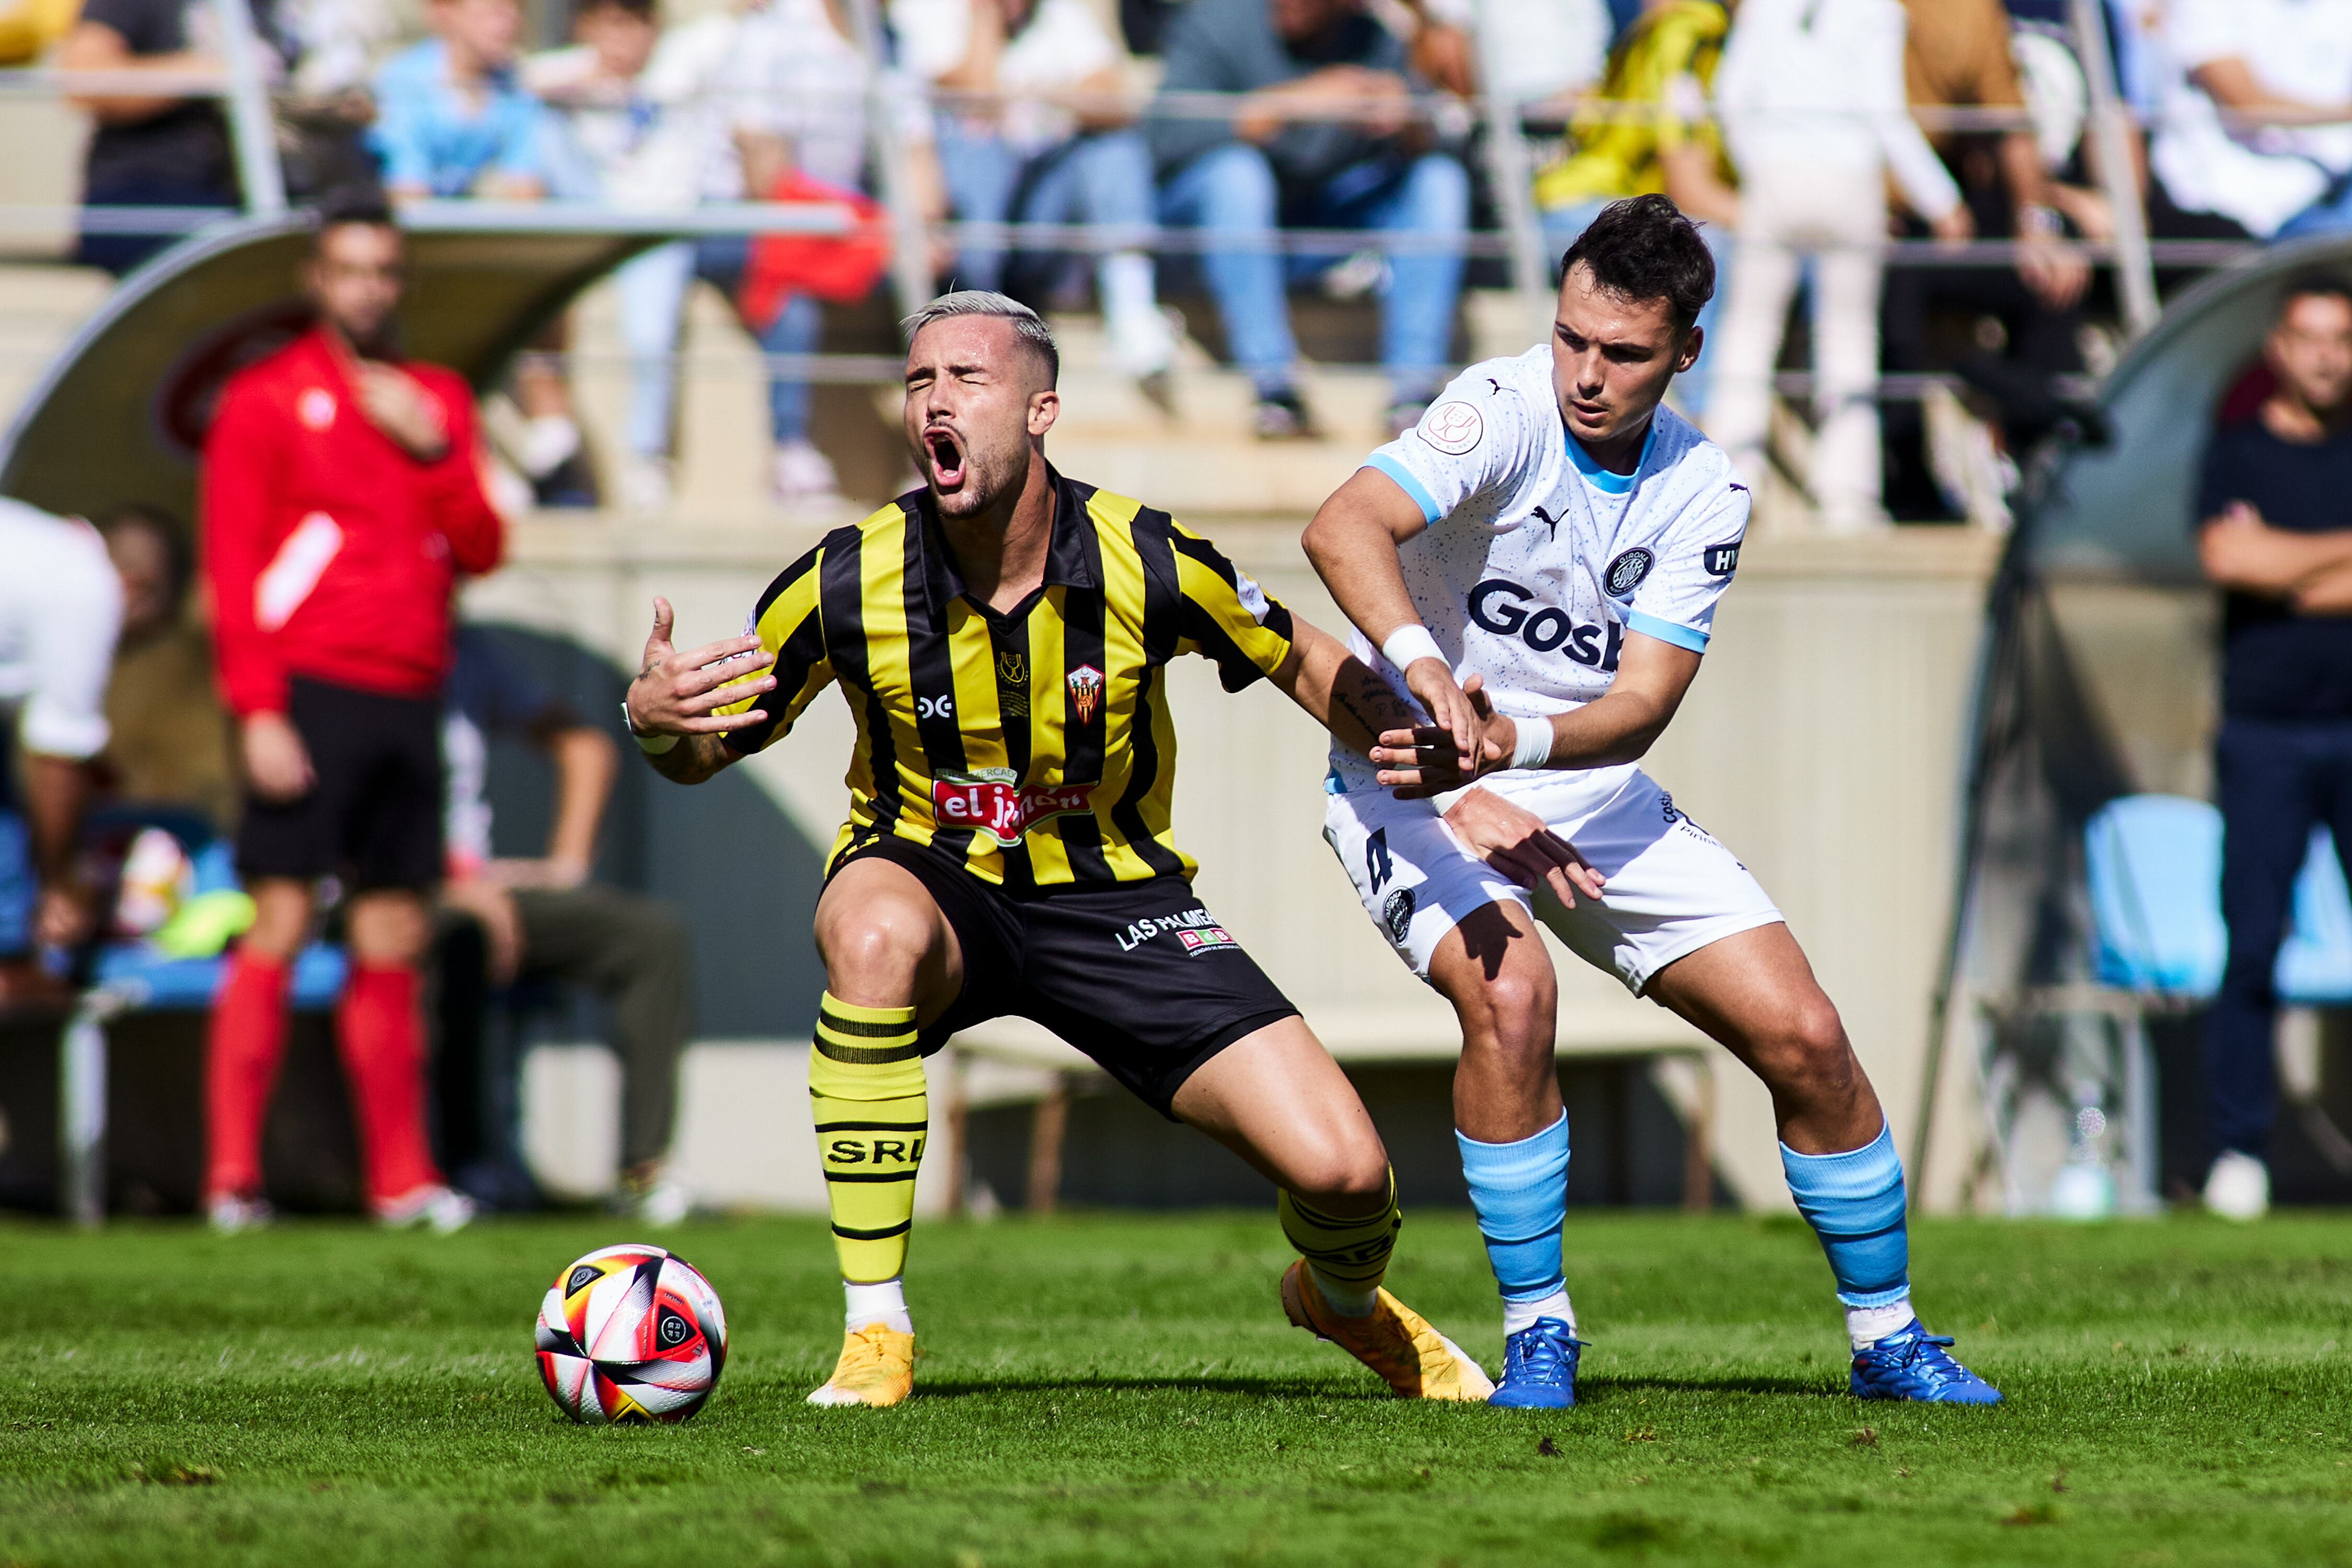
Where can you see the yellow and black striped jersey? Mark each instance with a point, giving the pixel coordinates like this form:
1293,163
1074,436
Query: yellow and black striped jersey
1036,746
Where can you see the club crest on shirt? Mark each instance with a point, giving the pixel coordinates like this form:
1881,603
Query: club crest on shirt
1720,560
1452,428
1625,572
316,409
1396,910
1085,687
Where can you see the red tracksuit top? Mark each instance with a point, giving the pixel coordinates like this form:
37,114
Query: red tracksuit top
331,553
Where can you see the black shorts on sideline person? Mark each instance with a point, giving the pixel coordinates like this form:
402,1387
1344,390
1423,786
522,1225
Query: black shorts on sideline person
373,815
1137,976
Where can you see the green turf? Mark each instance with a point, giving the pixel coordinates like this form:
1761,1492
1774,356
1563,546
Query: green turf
1109,1389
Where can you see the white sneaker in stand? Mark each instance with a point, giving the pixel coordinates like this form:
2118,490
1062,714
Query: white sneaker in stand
444,1209
2238,1187
228,1214
803,474
645,485
664,1203
1143,345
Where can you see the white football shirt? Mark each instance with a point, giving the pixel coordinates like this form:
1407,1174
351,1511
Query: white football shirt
1536,562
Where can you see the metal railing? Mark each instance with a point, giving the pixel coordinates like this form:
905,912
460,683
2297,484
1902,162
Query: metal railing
241,86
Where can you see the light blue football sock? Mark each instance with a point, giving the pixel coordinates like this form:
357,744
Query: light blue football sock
1520,1191
1855,1203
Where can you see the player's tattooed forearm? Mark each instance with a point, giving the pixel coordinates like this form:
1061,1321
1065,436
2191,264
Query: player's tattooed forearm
1347,704
1371,701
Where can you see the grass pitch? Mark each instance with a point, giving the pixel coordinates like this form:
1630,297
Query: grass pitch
1103,1389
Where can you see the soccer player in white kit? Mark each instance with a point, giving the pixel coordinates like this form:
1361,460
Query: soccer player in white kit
1537,564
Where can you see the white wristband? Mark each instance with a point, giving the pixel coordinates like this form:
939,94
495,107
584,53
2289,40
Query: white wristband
651,745
1534,747
1410,642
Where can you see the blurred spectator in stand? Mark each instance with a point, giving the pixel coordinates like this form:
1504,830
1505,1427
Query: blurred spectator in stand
1032,156
1957,54
1325,136
1811,92
1649,130
169,739
341,495
546,923
805,88
30,27
2272,532
453,120
2246,143
59,604
324,112
649,113
1548,52
665,119
148,151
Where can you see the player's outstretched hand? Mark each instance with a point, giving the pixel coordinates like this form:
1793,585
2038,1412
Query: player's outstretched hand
1427,760
1448,706
1514,841
674,692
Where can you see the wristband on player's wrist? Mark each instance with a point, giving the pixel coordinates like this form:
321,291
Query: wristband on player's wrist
1534,747
651,745
1412,642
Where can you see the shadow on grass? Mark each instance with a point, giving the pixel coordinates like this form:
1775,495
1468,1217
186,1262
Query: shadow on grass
1595,1389
1259,1387
1589,1390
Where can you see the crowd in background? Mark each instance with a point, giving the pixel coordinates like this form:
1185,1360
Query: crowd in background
1804,134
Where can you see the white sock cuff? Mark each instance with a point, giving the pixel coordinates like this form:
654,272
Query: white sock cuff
1347,1300
1865,1326
1521,1315
883,1302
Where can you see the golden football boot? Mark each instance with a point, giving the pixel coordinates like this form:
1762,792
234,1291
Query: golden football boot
1395,1341
877,1367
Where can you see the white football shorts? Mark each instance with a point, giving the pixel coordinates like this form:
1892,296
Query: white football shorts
1670,888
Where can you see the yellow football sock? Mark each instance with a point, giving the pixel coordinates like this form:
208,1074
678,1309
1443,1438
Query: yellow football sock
866,1087
1349,1256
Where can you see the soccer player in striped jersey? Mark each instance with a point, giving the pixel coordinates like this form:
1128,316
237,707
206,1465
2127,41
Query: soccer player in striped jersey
1000,636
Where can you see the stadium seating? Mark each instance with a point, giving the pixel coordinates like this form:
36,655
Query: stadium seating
2154,868
134,976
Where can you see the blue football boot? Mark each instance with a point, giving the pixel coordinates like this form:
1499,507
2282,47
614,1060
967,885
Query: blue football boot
1910,1363
1538,1368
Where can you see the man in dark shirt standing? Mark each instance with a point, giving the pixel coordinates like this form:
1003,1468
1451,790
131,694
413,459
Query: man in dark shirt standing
1326,138
2276,531
149,151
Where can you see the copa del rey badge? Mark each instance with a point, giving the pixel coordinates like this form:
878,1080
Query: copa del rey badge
1086,684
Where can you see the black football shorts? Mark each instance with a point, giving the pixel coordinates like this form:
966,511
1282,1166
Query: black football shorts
373,817
1137,976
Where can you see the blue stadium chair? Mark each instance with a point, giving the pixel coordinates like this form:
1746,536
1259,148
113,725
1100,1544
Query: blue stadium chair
132,977
2314,967
2153,863
2154,866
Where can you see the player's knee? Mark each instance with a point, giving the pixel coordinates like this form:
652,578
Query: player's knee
1521,1006
885,937
1512,1013
1810,1049
1360,1175
1348,1169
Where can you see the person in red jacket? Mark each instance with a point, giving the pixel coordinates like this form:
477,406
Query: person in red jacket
341,496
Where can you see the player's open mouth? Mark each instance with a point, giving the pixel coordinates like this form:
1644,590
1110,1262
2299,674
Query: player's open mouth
946,454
